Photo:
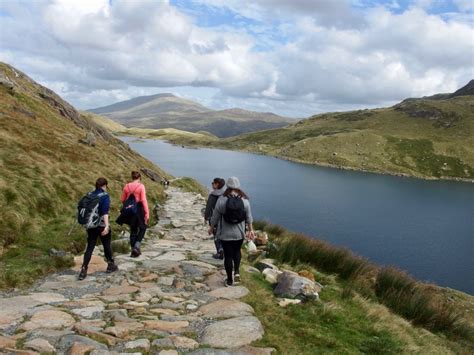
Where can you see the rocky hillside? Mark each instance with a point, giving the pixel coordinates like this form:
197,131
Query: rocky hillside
50,156
170,111
428,137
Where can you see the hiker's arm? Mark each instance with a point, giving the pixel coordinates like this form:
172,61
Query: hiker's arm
207,212
145,204
107,225
216,215
248,221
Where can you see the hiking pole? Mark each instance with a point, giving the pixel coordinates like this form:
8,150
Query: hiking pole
71,230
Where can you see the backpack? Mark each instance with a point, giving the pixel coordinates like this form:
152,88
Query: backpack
88,210
234,210
129,207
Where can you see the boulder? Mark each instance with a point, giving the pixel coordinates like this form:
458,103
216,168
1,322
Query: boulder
308,274
271,275
291,285
266,264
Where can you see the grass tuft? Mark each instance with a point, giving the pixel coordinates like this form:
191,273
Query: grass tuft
413,300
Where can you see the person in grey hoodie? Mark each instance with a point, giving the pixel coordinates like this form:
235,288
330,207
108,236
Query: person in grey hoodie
218,185
233,227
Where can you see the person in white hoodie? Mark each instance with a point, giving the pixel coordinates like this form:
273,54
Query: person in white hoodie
218,185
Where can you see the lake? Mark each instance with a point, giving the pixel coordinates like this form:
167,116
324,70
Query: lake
423,227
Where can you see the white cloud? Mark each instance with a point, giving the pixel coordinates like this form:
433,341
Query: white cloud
297,57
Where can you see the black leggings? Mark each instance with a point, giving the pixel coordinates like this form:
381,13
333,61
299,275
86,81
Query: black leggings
232,256
92,235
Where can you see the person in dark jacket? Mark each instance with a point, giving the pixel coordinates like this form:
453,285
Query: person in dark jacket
102,231
218,185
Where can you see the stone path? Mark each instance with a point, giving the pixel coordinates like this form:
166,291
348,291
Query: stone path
170,300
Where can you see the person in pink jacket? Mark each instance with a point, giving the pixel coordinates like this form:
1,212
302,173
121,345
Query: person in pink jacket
138,222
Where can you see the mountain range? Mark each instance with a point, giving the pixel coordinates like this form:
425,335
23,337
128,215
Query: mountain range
170,111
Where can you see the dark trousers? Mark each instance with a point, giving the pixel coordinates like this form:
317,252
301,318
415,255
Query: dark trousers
218,244
92,236
232,256
138,227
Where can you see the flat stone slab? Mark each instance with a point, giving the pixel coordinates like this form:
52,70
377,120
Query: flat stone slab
233,292
226,309
172,256
88,312
181,342
233,333
200,264
120,290
97,264
68,341
13,309
166,326
40,345
50,319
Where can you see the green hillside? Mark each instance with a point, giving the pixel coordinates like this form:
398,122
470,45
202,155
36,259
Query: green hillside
50,156
428,138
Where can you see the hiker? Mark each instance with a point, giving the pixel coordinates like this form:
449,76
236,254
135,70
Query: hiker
139,218
218,185
233,218
102,231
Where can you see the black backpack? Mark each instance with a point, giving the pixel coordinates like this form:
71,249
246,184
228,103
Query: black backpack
129,207
88,210
234,210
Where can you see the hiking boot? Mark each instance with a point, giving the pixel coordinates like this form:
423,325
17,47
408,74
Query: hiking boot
111,267
237,278
227,283
136,253
83,273
216,256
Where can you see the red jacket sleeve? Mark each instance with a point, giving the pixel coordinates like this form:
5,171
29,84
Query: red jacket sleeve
145,203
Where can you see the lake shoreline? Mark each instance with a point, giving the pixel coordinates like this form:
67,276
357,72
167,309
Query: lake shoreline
295,160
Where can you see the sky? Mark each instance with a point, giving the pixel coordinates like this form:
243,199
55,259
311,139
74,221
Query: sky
291,57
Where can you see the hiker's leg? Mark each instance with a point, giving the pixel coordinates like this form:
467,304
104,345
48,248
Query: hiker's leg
141,226
236,254
140,236
133,232
227,246
106,241
92,235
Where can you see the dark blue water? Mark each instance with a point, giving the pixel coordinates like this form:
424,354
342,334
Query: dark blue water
424,227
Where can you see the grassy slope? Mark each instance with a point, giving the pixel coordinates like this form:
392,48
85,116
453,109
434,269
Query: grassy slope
350,318
44,170
423,138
